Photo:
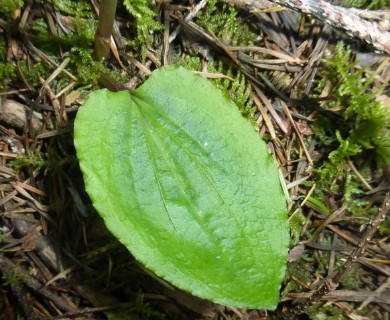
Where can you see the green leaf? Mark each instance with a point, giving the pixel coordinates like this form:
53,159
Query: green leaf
186,184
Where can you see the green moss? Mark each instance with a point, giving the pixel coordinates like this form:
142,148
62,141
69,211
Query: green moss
224,22
8,6
296,273
81,9
143,309
89,70
33,71
13,279
73,8
30,159
145,24
188,61
359,134
41,36
353,196
366,119
3,49
81,32
238,90
351,280
7,74
384,228
296,224
84,25
321,312
7,69
84,30
40,28
30,71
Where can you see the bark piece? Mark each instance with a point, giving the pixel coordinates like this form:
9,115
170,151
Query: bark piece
17,115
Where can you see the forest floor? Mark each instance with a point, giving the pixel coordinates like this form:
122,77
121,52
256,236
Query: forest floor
322,107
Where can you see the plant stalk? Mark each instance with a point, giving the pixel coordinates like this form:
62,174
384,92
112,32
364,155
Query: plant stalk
104,29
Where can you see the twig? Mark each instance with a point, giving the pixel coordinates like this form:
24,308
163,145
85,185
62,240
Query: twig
304,201
189,17
327,221
357,173
371,298
271,110
264,114
348,295
288,114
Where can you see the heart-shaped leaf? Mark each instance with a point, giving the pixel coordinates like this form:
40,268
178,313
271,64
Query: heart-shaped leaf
186,184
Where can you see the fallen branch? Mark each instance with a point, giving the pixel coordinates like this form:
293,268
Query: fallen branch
364,25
